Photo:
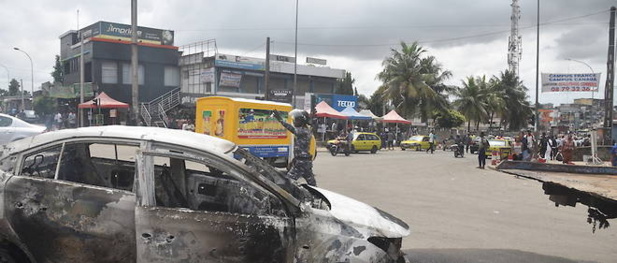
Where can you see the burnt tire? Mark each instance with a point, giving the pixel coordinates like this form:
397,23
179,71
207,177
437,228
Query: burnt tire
402,149
374,149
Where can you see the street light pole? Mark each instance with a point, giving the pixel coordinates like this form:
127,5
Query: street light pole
537,118
31,75
295,60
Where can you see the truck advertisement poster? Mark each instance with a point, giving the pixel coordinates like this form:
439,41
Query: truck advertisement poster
259,124
581,82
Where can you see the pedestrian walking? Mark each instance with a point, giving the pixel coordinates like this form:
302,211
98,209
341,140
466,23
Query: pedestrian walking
568,149
302,163
542,145
390,140
482,147
431,142
58,121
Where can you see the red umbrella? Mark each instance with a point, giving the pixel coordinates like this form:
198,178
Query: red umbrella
324,110
104,102
393,117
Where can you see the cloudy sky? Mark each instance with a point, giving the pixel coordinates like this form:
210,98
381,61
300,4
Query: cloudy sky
469,38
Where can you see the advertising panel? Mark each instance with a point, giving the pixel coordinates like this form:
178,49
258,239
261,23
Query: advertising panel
552,82
239,62
258,124
207,75
122,32
340,102
230,79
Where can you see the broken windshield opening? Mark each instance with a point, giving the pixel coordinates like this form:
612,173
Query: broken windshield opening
272,174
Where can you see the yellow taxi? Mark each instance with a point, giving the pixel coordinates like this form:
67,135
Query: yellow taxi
362,141
418,142
501,146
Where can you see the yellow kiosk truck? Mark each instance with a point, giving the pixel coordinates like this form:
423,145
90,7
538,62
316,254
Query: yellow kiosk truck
249,124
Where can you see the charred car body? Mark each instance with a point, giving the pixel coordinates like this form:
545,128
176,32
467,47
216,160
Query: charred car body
137,194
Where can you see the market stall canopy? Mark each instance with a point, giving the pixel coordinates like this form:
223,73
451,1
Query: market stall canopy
370,114
105,102
393,117
354,115
324,110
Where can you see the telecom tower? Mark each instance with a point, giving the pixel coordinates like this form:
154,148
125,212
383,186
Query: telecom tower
515,49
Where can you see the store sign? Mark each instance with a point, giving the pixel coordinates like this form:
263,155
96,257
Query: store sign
570,82
340,102
283,58
123,32
317,61
280,95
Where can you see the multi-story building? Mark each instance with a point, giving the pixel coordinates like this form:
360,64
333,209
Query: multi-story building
206,72
107,60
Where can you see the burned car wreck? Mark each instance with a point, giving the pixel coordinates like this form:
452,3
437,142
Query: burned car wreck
139,194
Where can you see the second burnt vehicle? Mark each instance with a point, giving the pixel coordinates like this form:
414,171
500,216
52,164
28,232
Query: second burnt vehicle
142,194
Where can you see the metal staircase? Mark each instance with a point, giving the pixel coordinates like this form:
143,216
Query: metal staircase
154,113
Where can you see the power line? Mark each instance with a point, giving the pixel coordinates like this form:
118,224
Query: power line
548,23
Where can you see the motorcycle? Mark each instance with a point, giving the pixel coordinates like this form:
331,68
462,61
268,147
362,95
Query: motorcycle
340,145
458,150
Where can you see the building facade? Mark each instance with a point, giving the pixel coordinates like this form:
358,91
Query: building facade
204,74
107,60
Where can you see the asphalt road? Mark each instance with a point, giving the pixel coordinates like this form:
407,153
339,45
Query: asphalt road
458,213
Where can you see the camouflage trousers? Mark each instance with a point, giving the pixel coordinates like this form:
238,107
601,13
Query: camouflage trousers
302,168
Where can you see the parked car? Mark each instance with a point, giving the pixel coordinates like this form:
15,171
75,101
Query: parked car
12,129
417,142
145,194
362,141
28,116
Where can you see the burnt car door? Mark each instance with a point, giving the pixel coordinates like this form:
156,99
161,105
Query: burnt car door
201,207
64,210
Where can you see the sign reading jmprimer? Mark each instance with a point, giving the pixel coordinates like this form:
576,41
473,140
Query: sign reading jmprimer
122,32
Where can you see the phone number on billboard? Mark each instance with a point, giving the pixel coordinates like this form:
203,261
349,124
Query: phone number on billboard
572,89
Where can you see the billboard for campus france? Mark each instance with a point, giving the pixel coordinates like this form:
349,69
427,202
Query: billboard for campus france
122,32
577,82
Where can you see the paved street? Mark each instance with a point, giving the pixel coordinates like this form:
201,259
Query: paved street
458,213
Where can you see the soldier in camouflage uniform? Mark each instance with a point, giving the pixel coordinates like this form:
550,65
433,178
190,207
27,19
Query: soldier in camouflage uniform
302,164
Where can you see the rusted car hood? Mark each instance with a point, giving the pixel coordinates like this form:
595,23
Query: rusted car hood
363,216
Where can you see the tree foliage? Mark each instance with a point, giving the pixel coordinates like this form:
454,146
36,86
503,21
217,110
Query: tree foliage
58,73
413,82
14,88
345,85
44,105
449,119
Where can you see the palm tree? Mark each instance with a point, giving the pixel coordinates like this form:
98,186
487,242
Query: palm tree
412,83
471,101
517,108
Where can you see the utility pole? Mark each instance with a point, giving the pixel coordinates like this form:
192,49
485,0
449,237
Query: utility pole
608,89
134,65
81,72
514,41
267,72
537,117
